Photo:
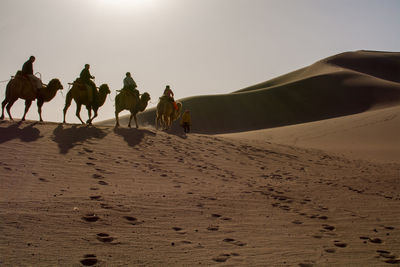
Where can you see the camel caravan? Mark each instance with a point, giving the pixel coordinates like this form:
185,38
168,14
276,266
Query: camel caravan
27,86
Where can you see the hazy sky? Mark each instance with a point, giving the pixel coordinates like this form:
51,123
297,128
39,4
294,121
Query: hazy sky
196,46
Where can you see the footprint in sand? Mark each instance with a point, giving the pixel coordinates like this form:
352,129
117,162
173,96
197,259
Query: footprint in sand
96,198
103,171
297,222
393,261
213,228
328,227
43,180
132,220
179,230
389,227
340,244
90,163
97,176
89,260
375,240
330,250
105,238
221,258
235,242
91,217
387,255
88,150
103,183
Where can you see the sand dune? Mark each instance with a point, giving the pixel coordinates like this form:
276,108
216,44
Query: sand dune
344,84
73,195
323,190
372,135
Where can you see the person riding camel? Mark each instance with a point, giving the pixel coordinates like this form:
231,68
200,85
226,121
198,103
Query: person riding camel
86,77
130,85
27,71
170,96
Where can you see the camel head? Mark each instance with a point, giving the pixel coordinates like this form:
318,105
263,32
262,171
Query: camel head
55,84
145,97
103,89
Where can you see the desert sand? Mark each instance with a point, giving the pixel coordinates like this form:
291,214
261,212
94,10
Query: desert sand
316,185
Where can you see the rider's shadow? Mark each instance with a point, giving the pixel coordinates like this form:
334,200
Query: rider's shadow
133,136
67,138
26,134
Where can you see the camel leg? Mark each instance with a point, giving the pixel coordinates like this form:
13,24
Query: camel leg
8,108
39,105
134,116
166,122
3,104
158,121
68,100
94,116
116,118
89,111
78,111
162,120
130,118
28,104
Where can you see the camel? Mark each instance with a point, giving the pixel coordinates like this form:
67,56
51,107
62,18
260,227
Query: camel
79,93
126,100
166,113
20,87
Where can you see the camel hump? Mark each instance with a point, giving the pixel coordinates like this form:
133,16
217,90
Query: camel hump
20,76
78,81
165,98
81,85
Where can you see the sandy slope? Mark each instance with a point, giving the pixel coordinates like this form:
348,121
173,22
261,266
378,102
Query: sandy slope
373,135
344,84
74,195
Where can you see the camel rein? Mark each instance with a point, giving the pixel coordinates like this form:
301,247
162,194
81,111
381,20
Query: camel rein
4,81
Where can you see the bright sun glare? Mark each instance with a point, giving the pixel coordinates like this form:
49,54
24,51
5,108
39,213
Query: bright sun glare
127,3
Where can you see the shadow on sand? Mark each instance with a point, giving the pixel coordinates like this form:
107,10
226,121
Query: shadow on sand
177,131
133,136
26,134
68,137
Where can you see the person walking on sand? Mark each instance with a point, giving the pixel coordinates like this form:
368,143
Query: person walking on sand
27,71
86,77
186,121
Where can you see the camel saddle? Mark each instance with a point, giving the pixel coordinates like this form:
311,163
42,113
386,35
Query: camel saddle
19,75
78,81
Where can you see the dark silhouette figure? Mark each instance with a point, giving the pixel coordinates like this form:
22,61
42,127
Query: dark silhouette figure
27,71
186,121
86,77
